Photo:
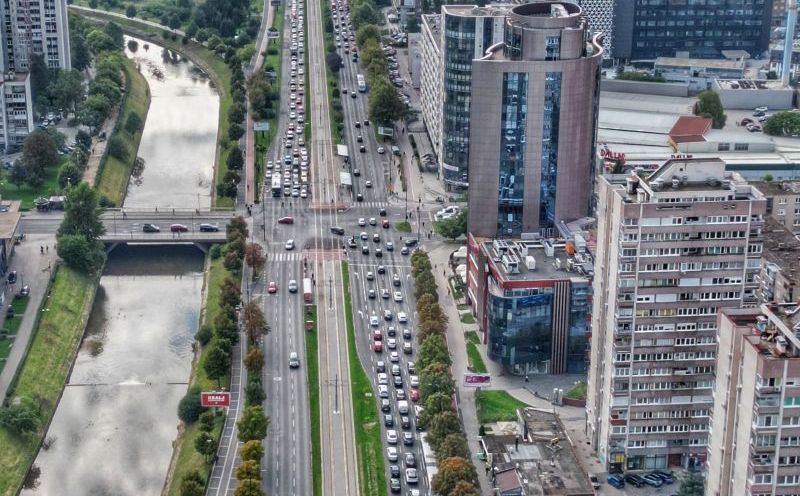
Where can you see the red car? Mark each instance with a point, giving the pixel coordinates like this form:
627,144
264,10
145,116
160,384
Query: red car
286,220
178,228
385,223
377,346
414,394
377,336
273,288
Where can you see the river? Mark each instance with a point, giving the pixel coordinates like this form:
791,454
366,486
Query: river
113,429
180,134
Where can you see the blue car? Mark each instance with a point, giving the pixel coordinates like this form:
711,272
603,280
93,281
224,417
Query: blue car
667,477
616,481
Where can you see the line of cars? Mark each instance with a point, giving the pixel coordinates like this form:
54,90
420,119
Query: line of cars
656,478
149,227
288,174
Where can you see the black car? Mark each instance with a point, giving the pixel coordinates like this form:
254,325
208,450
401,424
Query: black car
406,333
394,470
408,439
635,480
411,242
360,197
362,149
150,228
405,423
381,269
396,280
394,484
337,230
398,381
386,406
391,331
356,172
388,420
365,250
12,277
378,253
382,212
208,228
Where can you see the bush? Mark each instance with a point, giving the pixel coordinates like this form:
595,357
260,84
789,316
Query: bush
118,148
21,418
189,408
215,252
204,334
133,123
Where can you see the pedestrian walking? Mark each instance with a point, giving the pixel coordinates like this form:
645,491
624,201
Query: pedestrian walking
47,248
41,249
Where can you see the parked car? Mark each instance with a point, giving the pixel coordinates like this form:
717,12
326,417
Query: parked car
667,477
616,480
634,480
653,480
12,277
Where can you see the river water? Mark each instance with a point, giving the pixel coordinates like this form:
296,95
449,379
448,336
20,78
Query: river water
180,134
113,429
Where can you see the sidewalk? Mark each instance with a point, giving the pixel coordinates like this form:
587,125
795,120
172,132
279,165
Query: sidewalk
32,270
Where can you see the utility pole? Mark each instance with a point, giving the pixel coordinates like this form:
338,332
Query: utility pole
330,292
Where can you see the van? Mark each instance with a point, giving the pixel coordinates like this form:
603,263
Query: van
395,150
294,360
402,407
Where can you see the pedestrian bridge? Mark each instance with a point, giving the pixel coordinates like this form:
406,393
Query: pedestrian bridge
202,240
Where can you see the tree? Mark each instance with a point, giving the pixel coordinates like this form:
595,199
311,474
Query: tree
81,57
99,41
435,378
248,470
692,486
249,487
252,450
367,32
130,11
232,262
237,227
412,25
69,174
254,360
464,488
235,131
433,350
81,254
67,90
709,105
39,153
783,124
94,110
334,61
106,87
217,364
254,257
83,139
193,484
425,284
20,418
189,408
40,76
230,294
253,425
253,321
772,75
118,148
206,421
435,404
254,391
18,174
453,227
206,445
133,123
420,263
451,471
365,13
82,214
235,159
454,444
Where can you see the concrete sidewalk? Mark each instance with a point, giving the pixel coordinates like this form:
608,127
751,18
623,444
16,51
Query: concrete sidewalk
33,269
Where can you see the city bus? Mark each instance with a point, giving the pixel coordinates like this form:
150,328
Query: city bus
362,83
276,185
308,296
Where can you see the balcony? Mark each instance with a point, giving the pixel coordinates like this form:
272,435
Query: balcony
761,465
764,390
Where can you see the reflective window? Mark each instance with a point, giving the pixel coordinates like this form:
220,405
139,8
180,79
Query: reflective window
512,153
551,109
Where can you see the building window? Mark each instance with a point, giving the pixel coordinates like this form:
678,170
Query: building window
741,147
512,153
781,211
550,128
723,147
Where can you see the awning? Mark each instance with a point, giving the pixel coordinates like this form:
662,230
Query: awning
345,179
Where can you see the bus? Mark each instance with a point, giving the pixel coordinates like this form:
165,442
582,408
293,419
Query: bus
276,185
308,296
362,83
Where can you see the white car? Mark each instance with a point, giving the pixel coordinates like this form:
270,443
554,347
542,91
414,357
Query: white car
373,321
394,357
290,244
447,212
370,276
402,317
391,436
413,380
362,222
398,297
391,453
383,391
292,286
381,150
392,343
383,379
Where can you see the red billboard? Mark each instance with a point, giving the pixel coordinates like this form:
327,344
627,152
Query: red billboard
477,380
215,399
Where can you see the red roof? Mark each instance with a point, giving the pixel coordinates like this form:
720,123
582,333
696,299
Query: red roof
689,128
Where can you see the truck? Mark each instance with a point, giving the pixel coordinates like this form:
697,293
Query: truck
276,185
308,296
362,83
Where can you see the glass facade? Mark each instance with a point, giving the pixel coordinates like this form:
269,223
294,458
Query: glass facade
512,154
459,50
551,110
520,329
702,27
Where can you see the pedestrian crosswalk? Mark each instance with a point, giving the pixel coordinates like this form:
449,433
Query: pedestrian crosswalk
310,255
370,204
285,256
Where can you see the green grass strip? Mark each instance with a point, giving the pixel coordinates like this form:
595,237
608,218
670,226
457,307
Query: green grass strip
371,471
312,362
57,336
497,406
475,358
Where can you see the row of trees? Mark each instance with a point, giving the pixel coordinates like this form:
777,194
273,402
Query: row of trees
385,104
228,186
456,474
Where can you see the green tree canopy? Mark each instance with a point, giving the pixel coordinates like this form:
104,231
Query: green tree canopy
82,213
193,484
367,32
21,418
252,450
433,350
39,153
451,472
66,91
189,408
783,124
253,425
365,13
249,487
709,105
453,227
693,485
385,104
217,363
435,378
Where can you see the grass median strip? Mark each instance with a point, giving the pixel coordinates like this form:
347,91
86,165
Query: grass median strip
55,342
475,358
371,473
497,406
312,364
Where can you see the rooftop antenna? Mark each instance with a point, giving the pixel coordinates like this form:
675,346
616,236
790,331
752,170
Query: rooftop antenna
788,43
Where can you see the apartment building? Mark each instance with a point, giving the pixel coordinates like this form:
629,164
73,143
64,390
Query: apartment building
779,277
673,250
783,202
29,27
533,124
431,79
755,429
533,302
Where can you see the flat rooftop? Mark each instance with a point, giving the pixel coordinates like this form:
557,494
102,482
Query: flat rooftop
751,84
9,218
491,10
434,23
540,457
781,247
706,63
523,260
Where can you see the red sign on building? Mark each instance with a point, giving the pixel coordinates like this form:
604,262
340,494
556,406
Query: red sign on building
215,399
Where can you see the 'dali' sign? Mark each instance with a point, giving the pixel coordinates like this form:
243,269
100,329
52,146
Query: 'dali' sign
215,399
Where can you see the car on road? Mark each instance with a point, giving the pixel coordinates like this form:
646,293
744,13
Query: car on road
410,460
272,288
408,439
386,405
208,228
371,294
376,238
178,228
370,276
292,286
394,470
398,381
372,221
388,420
396,280
634,480
405,422
396,370
406,333
388,315
616,480
362,221
362,149
653,480
286,220
411,367
356,172
25,291
383,391
364,236
365,250
411,242
381,269
761,109
378,253
373,321
377,335
413,381
294,360
385,223
407,349
381,150
360,197
12,277
380,366
383,379
289,244
413,395
402,317
404,250
391,436
667,477
394,485
337,230
391,343
394,357
360,138
391,453
389,246
151,228
398,296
